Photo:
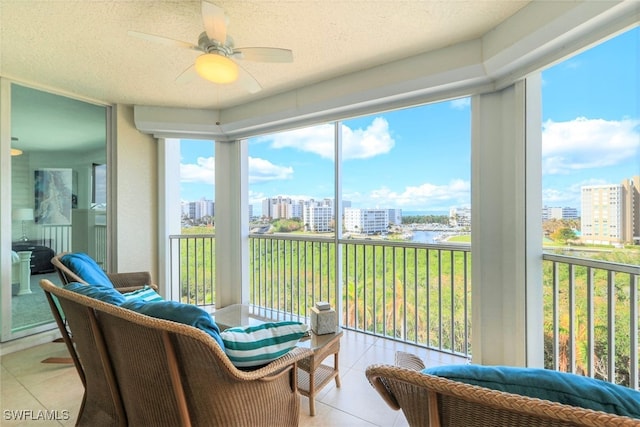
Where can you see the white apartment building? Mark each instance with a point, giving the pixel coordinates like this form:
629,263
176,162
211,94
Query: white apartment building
317,217
366,221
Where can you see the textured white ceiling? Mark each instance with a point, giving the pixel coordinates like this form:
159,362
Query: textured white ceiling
82,47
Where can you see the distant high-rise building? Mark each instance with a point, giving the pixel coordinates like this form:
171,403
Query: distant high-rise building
631,211
602,207
460,217
552,212
317,217
610,212
395,216
198,209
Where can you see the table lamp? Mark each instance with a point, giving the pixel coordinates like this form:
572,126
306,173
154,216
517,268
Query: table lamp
23,214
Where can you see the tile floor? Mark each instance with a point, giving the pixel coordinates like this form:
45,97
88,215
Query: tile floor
31,388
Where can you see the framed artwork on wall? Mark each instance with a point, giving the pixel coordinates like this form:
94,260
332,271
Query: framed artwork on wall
53,191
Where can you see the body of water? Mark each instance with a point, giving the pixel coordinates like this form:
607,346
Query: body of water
425,236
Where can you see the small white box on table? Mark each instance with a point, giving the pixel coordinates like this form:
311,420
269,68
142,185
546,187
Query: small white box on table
323,319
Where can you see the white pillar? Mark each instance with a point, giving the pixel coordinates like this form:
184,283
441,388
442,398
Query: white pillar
25,272
232,223
506,205
169,217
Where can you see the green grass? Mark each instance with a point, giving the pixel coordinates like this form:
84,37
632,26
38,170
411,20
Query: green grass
466,238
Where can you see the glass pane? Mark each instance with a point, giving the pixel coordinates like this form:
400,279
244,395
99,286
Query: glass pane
291,181
59,141
196,243
197,185
591,147
406,174
591,197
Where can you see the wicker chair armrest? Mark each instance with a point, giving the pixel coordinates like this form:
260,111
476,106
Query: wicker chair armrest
377,381
409,361
134,280
499,405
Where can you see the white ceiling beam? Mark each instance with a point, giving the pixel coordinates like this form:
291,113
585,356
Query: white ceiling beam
535,37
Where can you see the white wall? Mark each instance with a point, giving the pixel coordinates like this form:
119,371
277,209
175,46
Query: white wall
135,244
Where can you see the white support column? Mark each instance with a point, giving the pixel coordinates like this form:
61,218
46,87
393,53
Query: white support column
169,216
232,223
507,226
25,272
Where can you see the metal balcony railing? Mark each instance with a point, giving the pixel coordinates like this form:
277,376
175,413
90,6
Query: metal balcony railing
421,294
591,318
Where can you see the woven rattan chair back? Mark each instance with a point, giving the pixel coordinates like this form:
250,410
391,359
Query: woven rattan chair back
123,282
101,403
170,374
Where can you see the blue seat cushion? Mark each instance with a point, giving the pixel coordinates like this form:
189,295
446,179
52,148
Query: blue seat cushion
86,268
561,387
177,312
102,293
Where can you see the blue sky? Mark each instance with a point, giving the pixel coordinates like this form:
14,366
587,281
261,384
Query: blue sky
418,159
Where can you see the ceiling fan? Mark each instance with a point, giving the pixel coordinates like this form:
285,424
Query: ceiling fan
217,63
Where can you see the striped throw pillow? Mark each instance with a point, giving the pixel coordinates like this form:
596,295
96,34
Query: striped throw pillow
146,294
249,346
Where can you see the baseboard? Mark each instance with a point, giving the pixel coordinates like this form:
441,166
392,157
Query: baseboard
29,341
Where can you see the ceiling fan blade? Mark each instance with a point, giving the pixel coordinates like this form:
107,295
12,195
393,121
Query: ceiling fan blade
247,81
215,22
263,54
188,75
163,40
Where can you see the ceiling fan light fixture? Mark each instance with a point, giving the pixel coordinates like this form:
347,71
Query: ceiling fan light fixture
216,68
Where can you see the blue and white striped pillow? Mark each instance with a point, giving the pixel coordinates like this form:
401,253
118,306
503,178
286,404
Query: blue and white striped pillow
248,346
146,294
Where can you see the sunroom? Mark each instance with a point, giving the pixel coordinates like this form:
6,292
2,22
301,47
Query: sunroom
498,71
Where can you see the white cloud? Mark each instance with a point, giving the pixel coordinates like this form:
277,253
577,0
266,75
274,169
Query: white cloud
203,171
356,143
455,193
588,143
460,103
261,170
366,143
568,196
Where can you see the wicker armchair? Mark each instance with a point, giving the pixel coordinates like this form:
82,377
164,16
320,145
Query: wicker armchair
123,282
140,370
428,400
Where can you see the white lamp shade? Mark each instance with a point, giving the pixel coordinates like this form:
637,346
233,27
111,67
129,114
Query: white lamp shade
23,214
216,68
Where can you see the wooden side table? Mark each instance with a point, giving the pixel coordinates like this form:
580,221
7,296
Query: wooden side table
313,375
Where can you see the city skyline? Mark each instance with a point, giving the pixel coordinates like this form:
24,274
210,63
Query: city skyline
418,159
